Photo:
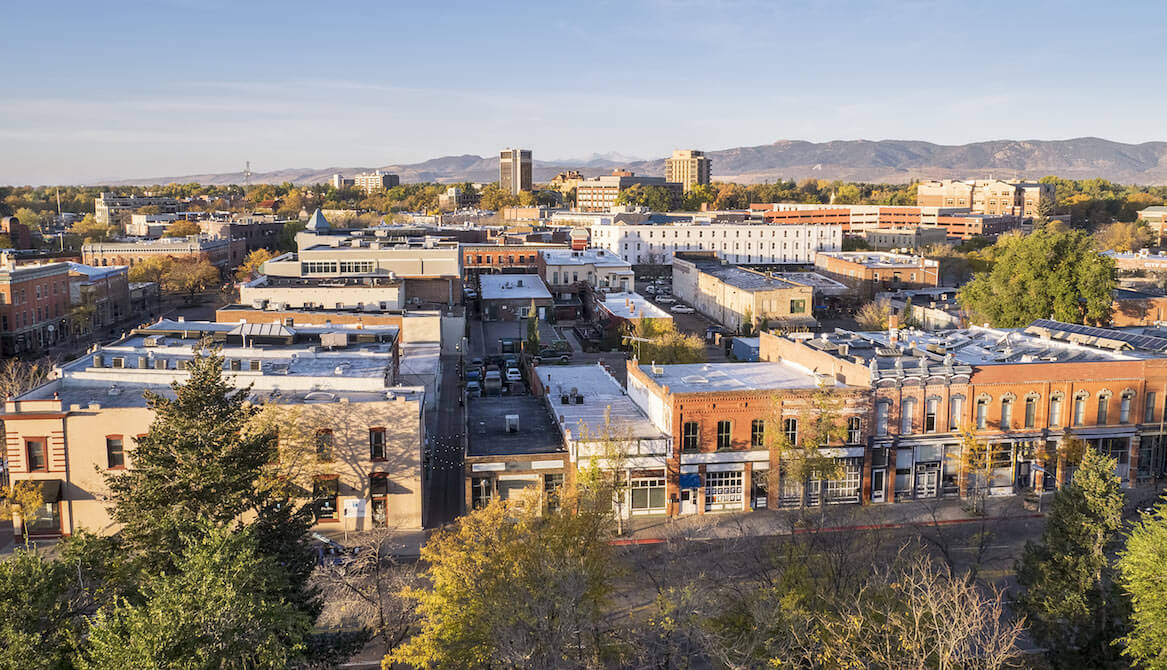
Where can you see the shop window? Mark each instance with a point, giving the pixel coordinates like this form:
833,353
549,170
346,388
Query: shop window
379,499
324,444
324,496
35,455
760,488
377,444
648,494
723,490
758,433
45,520
115,454
724,436
481,492
689,436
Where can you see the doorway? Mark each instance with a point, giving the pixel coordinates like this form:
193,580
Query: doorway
688,501
927,480
878,485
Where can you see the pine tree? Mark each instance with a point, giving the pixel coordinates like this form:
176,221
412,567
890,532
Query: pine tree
1071,600
1141,567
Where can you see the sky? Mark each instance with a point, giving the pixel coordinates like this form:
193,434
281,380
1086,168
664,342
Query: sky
118,90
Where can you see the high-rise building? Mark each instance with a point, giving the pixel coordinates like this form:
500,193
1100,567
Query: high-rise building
514,170
988,196
688,168
371,182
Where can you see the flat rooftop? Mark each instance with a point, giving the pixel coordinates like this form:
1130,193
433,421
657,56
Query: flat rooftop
629,305
603,397
819,282
705,377
743,279
513,287
486,427
879,259
599,257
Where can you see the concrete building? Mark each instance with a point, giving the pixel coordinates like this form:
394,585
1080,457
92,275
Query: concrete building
733,296
34,305
340,182
99,298
869,272
512,447
149,226
904,238
1156,218
376,181
111,208
1142,260
688,168
989,196
456,197
223,253
510,297
739,243
340,382
514,170
599,194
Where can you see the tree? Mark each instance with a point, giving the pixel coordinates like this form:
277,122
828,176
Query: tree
23,499
656,198
976,468
696,196
1140,566
1071,601
494,198
1123,236
183,228
34,618
747,326
151,269
190,278
552,569
221,607
665,345
252,264
90,231
533,330
874,315
1039,276
799,441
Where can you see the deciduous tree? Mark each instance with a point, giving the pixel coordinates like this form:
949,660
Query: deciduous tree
183,228
1141,566
251,265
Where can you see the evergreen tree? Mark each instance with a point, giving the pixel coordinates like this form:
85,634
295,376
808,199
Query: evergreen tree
1141,566
1071,600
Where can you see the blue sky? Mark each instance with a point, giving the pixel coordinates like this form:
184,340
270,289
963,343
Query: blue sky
95,91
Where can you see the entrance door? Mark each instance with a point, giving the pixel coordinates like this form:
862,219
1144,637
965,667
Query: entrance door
878,485
542,313
927,479
688,501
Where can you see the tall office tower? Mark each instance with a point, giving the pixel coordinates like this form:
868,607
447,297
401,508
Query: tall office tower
688,168
514,170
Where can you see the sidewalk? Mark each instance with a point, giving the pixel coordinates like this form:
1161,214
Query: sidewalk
723,525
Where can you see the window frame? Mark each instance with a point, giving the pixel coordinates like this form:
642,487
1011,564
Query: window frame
695,437
758,433
378,430
109,452
43,450
318,486
724,435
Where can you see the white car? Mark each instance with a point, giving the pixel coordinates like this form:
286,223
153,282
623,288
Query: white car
681,309
666,299
650,289
513,375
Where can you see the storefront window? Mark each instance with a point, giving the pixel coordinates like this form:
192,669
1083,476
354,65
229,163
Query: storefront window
648,494
723,490
46,520
324,495
481,492
379,498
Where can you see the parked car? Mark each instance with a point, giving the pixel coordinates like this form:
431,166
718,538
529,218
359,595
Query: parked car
548,354
474,374
682,309
476,362
666,299
650,289
513,375
473,389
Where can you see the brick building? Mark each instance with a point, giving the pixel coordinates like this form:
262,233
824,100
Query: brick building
480,259
988,196
34,305
17,232
99,297
223,253
870,272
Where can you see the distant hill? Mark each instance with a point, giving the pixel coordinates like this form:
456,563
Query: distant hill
884,161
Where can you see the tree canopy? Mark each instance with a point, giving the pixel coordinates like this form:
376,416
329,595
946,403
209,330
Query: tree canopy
1039,276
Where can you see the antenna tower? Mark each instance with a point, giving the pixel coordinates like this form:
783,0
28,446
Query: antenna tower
247,175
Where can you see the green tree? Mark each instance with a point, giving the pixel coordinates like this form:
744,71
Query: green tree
1140,568
656,198
698,195
494,198
533,330
1039,276
35,628
89,230
799,441
183,228
220,608
1071,600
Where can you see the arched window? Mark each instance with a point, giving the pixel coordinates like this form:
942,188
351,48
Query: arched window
1124,406
907,414
1055,409
1031,409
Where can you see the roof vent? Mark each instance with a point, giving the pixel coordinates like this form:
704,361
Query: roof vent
512,423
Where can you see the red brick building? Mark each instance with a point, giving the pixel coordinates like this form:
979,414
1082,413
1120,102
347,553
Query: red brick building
34,305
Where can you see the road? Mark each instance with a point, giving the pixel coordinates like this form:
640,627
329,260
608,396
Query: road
445,427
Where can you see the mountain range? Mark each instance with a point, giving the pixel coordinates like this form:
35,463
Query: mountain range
883,161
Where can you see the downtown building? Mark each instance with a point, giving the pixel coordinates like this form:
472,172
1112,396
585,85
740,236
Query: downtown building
340,381
688,168
600,193
1012,197
514,170
652,243
111,208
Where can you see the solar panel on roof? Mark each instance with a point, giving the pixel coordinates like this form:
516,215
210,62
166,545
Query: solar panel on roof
1145,342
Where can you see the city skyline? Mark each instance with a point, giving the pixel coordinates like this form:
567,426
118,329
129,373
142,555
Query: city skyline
112,96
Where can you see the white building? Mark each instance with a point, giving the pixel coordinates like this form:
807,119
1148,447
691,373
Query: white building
734,242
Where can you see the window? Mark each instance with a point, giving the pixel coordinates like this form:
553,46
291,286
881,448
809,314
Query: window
324,444
982,413
790,428
1030,411
881,418
798,307
689,433
854,430
648,494
931,407
324,493
1079,410
379,498
1006,414
907,412
35,451
45,520
758,433
377,444
1055,410
1124,408
1149,407
552,487
955,411
115,454
723,490
1103,409
481,492
724,439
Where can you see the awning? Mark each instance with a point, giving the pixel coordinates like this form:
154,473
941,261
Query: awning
50,489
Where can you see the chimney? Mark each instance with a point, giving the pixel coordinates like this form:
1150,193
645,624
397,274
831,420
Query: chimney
893,328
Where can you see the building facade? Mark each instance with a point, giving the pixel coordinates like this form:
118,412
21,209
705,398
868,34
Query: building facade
376,181
738,243
99,298
111,208
223,253
599,194
989,196
34,305
735,296
514,170
688,168
870,272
